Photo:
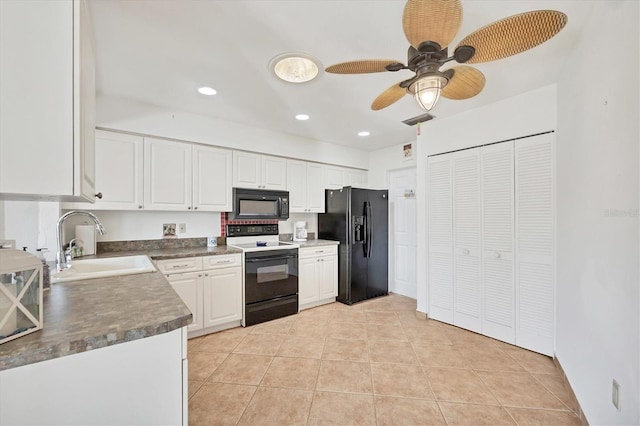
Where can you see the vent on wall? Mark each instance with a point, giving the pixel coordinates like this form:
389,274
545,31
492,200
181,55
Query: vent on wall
419,119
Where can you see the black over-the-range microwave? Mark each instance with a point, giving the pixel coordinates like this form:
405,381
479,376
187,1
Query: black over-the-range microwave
260,204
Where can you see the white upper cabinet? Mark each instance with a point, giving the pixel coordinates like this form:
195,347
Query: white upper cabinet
122,190
259,171
337,177
211,178
306,187
167,175
182,176
47,101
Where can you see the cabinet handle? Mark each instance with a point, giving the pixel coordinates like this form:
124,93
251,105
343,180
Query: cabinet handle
218,262
199,275
98,195
180,266
189,208
206,275
319,251
140,206
195,208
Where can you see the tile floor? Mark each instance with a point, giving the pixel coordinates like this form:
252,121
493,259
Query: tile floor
367,364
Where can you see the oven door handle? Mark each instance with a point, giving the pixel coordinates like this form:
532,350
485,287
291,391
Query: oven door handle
262,259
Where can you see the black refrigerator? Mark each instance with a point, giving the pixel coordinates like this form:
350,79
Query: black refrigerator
358,219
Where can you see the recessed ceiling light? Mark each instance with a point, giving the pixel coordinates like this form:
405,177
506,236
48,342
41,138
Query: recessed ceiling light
294,67
302,117
363,133
207,91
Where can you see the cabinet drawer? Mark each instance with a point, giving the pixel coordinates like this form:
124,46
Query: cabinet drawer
318,251
221,261
185,264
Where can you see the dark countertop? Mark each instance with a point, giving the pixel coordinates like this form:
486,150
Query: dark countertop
84,315
174,253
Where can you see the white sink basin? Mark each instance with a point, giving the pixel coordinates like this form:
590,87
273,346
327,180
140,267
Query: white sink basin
104,267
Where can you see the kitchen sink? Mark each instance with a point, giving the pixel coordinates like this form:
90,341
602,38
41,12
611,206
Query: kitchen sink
103,267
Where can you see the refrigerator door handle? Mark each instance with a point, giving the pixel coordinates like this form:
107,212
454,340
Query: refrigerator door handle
369,227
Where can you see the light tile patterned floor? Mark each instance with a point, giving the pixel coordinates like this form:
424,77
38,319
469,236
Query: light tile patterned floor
367,364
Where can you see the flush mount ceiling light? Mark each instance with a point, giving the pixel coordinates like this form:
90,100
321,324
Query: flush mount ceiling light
205,90
294,67
363,133
302,117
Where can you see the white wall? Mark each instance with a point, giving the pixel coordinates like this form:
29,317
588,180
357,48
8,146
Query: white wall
391,158
598,183
32,224
522,115
147,225
126,115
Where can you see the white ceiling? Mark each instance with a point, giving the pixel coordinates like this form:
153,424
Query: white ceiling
161,51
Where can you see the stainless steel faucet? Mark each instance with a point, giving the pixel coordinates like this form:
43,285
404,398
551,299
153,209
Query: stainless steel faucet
61,257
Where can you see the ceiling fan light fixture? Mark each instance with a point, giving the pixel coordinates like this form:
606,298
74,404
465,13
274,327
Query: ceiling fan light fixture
295,67
426,90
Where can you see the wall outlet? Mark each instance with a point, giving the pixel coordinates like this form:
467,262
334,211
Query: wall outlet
182,228
169,230
615,394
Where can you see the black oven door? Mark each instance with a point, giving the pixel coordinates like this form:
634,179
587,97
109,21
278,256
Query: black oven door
270,274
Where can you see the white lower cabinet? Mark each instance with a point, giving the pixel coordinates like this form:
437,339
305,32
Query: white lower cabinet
211,287
140,382
318,276
222,296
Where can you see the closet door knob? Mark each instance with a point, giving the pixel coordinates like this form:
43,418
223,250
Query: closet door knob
496,255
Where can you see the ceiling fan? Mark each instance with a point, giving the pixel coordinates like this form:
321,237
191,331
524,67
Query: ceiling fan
430,25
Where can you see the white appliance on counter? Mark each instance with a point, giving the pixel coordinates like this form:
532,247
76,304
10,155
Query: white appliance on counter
300,231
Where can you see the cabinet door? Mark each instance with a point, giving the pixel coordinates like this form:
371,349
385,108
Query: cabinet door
222,296
297,185
466,240
46,101
315,188
497,242
328,277
84,102
535,230
334,178
440,243
246,170
167,175
356,178
211,178
189,288
121,152
274,173
308,284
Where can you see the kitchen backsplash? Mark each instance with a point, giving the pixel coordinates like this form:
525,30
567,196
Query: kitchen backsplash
224,220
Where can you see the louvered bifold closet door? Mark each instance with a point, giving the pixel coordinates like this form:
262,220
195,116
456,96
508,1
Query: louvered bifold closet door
466,240
498,319
535,282
440,238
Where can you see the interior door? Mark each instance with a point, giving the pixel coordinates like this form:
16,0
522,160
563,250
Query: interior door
466,240
535,230
440,244
402,235
498,319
